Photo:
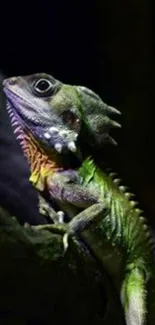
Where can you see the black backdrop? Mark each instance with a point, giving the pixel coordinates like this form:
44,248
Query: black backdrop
104,45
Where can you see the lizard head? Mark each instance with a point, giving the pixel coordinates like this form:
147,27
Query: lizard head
56,113
46,108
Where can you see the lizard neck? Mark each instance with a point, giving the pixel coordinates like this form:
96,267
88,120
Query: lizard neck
41,164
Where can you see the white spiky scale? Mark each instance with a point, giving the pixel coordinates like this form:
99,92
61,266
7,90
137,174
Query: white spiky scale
147,234
139,211
13,119
58,147
142,218
20,137
112,175
72,146
117,181
53,129
133,203
15,123
47,135
123,188
18,129
9,110
145,227
11,114
22,142
129,195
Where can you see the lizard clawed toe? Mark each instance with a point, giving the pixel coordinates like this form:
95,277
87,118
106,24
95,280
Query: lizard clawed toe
60,215
27,225
54,228
65,242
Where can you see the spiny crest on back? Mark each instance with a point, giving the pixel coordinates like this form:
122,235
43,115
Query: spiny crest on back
126,221
87,169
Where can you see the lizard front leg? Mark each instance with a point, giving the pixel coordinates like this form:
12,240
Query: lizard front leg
56,185
59,187
46,209
87,219
68,190
63,189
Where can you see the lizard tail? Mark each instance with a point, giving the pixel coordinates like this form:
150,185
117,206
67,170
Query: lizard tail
133,297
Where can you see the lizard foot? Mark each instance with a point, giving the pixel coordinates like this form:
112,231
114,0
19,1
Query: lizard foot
60,229
86,219
54,228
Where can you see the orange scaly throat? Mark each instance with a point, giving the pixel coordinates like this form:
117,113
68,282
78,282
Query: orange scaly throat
41,164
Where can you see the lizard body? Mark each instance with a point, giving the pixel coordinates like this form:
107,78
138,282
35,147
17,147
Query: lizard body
122,232
47,122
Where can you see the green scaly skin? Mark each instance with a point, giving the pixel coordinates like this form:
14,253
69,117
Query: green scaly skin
124,228
111,226
121,241
52,121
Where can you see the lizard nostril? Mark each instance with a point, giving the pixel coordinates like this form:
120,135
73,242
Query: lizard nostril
9,81
12,81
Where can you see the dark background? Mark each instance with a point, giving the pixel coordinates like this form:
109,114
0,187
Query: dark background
104,45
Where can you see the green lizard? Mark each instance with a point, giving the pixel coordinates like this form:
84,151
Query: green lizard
49,119
47,122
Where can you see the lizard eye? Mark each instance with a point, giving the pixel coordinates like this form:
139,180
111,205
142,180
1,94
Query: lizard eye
43,87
